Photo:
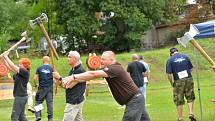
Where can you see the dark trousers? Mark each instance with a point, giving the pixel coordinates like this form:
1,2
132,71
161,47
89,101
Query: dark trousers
135,109
18,111
45,94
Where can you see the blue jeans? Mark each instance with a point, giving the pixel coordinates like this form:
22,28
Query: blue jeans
142,89
45,94
135,109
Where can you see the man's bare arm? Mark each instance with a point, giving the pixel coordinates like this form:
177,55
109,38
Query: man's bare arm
146,74
10,64
89,75
169,76
35,80
82,77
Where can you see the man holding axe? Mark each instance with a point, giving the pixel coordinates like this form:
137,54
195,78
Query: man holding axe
21,78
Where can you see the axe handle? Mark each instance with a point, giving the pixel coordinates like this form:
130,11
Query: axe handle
56,87
14,46
201,50
53,66
52,52
42,28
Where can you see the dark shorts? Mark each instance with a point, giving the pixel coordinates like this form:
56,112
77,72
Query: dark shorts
183,88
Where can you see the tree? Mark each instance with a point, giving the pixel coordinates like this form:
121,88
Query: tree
11,19
78,22
123,31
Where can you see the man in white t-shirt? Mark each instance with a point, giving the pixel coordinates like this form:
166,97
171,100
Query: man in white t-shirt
146,74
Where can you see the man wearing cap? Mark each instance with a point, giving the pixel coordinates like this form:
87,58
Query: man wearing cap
179,65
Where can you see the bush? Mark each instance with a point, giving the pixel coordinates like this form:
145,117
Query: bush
3,44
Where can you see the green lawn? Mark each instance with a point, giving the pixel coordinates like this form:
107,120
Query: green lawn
100,106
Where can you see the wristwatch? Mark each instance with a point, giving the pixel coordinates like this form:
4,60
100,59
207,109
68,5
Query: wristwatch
73,76
60,80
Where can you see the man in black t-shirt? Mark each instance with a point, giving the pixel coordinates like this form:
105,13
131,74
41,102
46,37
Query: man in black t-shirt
137,70
74,94
124,91
21,78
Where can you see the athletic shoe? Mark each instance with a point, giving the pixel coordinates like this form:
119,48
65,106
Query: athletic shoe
31,109
191,117
38,118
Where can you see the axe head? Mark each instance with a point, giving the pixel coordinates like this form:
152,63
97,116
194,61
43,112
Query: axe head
32,24
188,35
185,39
42,18
24,34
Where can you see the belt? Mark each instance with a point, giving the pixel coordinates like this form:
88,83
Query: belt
137,95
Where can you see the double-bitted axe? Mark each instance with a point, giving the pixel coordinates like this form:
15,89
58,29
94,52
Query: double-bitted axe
39,21
188,38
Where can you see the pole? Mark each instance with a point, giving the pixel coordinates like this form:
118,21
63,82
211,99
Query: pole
197,78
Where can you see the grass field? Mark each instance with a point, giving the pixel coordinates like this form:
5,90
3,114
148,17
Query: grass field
100,106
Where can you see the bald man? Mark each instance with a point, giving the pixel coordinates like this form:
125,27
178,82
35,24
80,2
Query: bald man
123,88
45,88
136,69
